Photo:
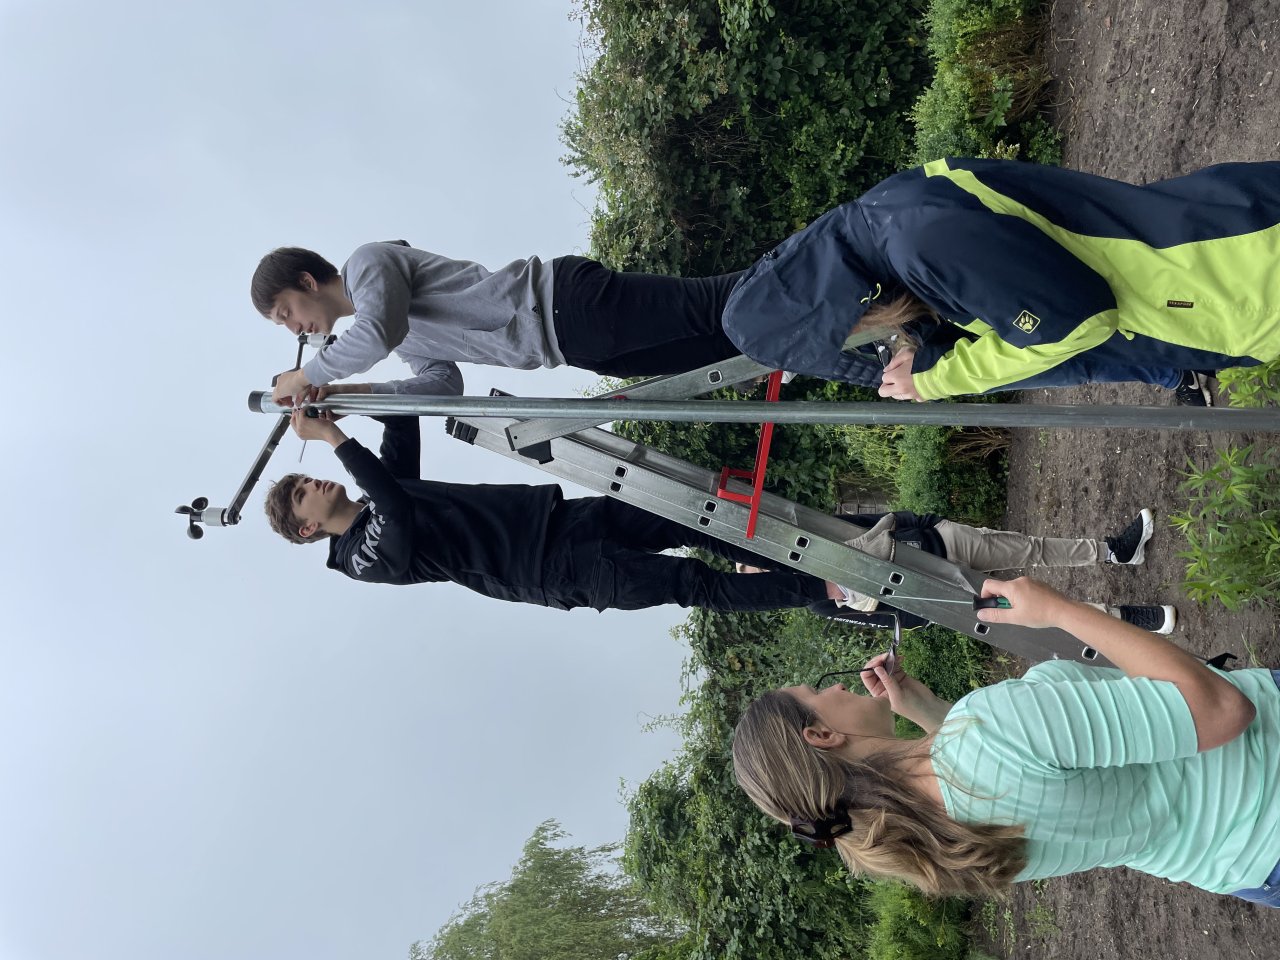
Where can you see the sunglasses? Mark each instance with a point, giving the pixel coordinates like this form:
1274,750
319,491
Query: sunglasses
890,661
820,833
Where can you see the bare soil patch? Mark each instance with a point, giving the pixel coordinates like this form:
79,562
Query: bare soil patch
1146,90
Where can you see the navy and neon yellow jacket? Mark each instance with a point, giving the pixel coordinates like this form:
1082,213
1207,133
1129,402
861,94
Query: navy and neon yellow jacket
1055,276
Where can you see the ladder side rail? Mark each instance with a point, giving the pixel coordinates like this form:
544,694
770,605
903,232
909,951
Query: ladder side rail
620,453
629,452
678,386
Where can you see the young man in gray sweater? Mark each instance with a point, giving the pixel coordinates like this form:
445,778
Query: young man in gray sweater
433,312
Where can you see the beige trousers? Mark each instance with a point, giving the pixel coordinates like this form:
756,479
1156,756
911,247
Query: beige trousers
984,549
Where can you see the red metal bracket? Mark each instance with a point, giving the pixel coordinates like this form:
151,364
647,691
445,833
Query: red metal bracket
756,473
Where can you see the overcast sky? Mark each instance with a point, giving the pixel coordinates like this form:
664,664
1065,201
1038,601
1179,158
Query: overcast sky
219,749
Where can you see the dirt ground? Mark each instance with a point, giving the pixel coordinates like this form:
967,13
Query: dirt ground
1146,89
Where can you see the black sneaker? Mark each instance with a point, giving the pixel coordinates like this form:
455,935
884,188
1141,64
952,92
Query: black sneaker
1128,546
1158,618
1193,390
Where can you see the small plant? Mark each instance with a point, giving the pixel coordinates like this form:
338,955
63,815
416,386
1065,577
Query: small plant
1232,526
1232,520
1252,386
996,922
1040,920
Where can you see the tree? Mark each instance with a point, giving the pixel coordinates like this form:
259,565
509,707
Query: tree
561,903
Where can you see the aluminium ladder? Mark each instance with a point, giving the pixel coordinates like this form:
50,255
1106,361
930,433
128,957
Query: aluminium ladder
726,508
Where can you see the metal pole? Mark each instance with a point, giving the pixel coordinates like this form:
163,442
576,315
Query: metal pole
199,511
750,411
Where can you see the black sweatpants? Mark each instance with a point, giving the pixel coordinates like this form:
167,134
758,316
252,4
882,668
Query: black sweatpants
603,553
638,324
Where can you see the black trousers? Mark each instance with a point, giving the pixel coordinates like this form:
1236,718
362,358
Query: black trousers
638,324
604,553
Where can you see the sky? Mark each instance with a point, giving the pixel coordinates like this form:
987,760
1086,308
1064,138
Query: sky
220,749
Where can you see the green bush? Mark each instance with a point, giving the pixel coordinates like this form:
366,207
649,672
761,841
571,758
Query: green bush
957,472
948,663
988,87
698,848
932,480
714,129
910,926
807,462
1232,520
1232,526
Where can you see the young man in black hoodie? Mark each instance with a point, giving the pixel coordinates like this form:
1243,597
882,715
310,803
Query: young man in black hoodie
528,544
510,541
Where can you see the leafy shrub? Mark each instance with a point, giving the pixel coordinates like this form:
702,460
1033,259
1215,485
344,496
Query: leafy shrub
1232,526
932,480
714,129
910,926
954,471
1232,520
948,663
989,83
806,463
698,848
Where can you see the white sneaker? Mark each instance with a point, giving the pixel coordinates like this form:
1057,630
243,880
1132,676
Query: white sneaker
1129,545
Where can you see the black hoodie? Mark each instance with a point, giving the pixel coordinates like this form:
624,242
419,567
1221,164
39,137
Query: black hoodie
490,538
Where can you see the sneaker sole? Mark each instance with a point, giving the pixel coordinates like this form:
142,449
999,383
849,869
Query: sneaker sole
1170,620
1148,531
1203,383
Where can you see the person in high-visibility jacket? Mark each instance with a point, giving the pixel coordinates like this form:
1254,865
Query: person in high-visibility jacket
1046,270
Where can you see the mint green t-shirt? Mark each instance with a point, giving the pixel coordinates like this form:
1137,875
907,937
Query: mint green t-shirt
1102,771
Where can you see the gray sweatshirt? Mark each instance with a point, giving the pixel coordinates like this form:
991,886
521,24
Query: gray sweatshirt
432,311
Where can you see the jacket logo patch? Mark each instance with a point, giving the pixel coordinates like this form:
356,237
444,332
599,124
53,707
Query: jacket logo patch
1027,321
1185,304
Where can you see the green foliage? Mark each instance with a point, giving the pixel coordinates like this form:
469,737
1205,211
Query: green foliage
954,471
561,903
1232,526
806,462
948,663
910,926
1040,919
714,129
1252,386
699,848
932,480
988,87
1232,520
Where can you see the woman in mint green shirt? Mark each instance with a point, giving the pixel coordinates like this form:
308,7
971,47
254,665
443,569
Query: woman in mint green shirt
1162,764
